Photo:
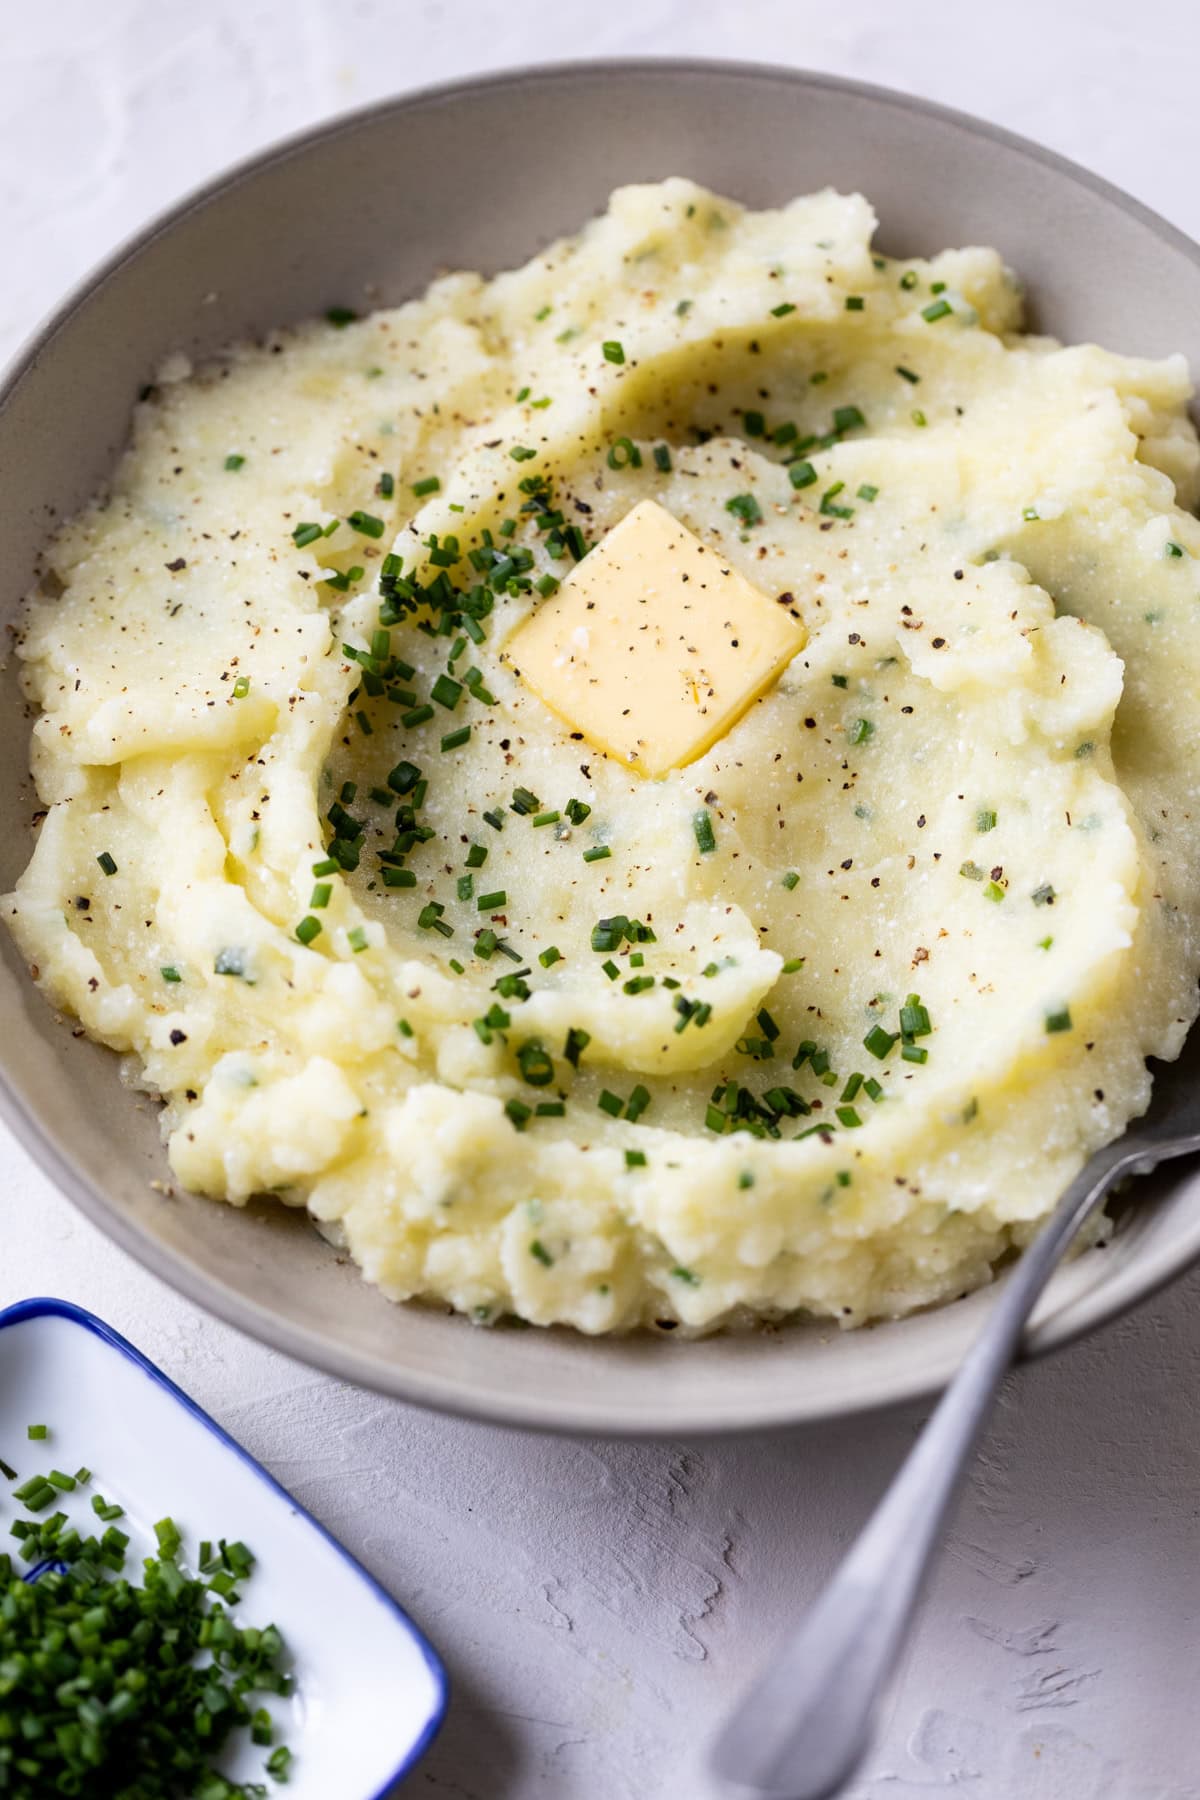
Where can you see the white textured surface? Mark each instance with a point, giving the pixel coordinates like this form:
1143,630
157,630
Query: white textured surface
598,1605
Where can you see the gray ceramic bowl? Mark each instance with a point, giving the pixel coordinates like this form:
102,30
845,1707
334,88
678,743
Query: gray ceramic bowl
480,176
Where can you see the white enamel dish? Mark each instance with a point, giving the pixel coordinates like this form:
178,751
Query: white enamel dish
480,176
370,1692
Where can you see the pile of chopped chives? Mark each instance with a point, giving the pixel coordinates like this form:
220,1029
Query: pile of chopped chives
120,1688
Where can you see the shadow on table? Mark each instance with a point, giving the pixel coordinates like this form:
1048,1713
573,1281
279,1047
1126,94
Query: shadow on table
475,1755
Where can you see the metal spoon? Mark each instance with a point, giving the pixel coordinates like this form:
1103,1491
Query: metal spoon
805,1726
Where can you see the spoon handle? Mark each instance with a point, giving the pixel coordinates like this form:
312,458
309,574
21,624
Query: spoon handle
803,1728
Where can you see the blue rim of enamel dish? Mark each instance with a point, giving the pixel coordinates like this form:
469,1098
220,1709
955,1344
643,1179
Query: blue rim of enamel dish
43,1307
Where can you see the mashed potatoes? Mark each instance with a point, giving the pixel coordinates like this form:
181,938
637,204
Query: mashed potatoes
823,1019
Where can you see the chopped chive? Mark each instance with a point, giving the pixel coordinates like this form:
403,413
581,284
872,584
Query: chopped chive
914,1053
535,1065
492,902
306,533
233,461
1059,1020
782,310
919,419
635,1159
909,375
356,937
547,818
613,351
792,965
746,508
993,891
985,819
476,856
610,1103
937,309
549,956
599,854
340,316
861,731
419,715
662,459
868,492
577,811
170,973
914,1018
320,896
241,687
402,780
1044,895
37,1433
386,485
522,453
1171,548
623,453
106,863
827,503
790,880
854,303
399,878
848,1117
365,523
429,484
801,474
454,740
540,1253
702,827
879,1042
754,423
308,929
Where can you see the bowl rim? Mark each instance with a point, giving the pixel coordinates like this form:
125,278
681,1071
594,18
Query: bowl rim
442,1392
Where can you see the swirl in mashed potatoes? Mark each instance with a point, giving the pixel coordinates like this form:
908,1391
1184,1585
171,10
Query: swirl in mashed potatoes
821,1018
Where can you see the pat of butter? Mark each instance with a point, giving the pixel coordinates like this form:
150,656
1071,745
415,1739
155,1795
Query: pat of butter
653,647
